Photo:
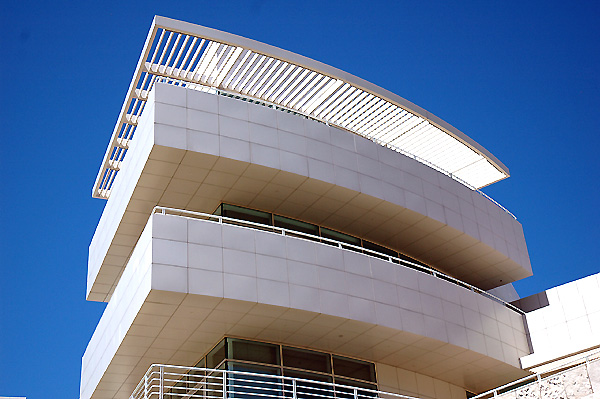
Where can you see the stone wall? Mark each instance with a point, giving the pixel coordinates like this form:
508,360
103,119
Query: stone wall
579,382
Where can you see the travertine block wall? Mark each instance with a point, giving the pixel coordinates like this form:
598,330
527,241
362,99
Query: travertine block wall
580,382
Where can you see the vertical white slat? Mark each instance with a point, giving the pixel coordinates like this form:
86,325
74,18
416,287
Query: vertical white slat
276,85
240,75
233,57
344,96
158,43
205,59
294,82
238,67
317,101
172,52
187,55
165,49
266,77
365,110
275,73
252,74
161,386
383,115
175,66
339,112
311,89
282,85
209,73
339,95
261,76
305,80
349,112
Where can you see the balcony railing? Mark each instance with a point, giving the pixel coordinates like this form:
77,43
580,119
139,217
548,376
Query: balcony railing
329,241
177,382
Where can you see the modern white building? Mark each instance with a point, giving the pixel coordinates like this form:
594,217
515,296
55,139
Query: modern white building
278,227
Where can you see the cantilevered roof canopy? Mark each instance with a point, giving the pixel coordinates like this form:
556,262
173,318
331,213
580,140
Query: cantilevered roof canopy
203,58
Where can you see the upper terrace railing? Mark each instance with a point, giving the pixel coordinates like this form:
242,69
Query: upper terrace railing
176,382
329,241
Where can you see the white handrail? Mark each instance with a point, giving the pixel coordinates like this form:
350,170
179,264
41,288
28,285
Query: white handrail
178,382
342,245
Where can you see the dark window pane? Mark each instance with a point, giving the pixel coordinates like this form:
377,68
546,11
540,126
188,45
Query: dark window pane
311,389
250,215
253,351
336,235
378,248
295,225
343,366
361,389
307,360
216,355
251,386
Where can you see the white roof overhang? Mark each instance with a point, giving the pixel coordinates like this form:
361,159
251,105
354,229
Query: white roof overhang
198,57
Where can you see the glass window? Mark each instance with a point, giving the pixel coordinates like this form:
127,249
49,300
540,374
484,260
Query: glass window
309,389
378,248
336,235
409,259
352,368
307,360
250,386
253,351
216,355
348,393
295,225
250,215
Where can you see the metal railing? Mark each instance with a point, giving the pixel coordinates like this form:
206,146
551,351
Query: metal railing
329,241
177,382
533,382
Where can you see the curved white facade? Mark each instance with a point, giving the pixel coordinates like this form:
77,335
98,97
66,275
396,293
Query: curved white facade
177,283
195,150
190,282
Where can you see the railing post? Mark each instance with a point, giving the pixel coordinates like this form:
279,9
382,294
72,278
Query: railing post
146,386
161,386
294,388
355,394
224,384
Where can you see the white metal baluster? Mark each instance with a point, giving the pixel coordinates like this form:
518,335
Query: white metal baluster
161,387
224,384
146,386
294,388
355,394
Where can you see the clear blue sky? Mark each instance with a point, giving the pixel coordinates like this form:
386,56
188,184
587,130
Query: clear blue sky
521,78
